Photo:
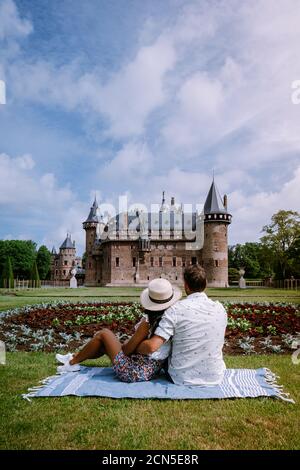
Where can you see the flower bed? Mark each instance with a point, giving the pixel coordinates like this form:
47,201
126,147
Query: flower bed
252,328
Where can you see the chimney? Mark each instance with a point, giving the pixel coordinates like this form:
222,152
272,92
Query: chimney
225,201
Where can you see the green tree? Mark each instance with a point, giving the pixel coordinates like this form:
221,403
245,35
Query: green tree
281,236
252,257
7,278
43,261
22,254
34,276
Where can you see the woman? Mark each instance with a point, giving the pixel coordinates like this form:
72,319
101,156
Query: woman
128,365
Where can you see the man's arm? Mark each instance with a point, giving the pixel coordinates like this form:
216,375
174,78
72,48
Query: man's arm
150,345
163,332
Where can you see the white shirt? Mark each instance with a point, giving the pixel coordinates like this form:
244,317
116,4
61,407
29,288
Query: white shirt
197,325
161,353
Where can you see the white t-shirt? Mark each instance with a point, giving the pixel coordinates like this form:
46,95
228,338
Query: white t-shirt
197,326
164,351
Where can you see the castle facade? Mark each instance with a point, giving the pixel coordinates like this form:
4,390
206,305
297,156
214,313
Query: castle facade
131,249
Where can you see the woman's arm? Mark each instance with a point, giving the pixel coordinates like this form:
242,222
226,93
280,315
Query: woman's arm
141,333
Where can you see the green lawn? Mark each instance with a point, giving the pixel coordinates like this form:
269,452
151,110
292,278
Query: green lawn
19,298
101,423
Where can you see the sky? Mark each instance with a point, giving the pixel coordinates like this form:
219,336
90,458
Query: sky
130,98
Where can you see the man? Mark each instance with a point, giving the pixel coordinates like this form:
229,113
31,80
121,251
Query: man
197,326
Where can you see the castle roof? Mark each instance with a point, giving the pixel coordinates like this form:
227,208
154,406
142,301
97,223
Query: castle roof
68,243
214,203
53,251
93,215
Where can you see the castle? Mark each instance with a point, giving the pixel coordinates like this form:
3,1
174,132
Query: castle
133,248
63,262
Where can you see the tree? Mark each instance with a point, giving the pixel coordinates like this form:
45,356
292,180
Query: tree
34,276
22,254
281,236
7,278
43,261
253,257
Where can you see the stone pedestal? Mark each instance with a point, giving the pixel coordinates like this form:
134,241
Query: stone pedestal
2,353
73,280
242,282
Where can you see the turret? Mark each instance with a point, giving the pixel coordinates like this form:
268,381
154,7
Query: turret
90,226
215,249
67,255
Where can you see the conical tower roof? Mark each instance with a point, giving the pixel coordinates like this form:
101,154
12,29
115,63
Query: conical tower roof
93,215
214,203
67,243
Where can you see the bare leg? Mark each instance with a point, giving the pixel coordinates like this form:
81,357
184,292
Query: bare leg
104,342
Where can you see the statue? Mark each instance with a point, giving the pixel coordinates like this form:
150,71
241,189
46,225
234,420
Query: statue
242,282
73,280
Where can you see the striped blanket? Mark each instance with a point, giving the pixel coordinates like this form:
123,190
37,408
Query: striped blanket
102,382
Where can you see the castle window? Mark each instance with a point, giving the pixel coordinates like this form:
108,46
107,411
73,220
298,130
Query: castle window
174,261
66,263
90,265
64,271
56,272
134,261
55,263
194,260
152,261
183,261
117,262
216,263
160,261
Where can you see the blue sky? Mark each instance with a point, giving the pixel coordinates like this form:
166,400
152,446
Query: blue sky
131,98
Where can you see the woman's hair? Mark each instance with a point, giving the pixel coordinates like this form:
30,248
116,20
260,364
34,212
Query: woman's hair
154,319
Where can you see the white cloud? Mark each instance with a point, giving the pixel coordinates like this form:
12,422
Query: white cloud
251,213
11,25
132,162
39,200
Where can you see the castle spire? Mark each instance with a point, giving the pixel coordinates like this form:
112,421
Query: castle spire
93,215
215,208
67,243
214,203
163,203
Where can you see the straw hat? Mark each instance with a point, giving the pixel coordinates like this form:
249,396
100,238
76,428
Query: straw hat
159,295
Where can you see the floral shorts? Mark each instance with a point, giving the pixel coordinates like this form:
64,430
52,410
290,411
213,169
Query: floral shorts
135,368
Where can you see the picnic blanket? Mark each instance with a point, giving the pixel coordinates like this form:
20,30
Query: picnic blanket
102,382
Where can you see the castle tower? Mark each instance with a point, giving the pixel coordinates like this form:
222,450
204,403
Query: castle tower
215,248
90,226
67,258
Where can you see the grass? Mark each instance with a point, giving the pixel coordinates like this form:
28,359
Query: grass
19,298
102,423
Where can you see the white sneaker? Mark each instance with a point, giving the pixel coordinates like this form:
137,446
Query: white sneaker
68,368
64,358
